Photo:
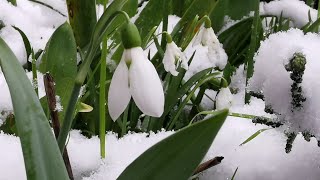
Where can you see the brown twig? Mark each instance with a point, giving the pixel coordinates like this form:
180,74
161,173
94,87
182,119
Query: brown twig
52,102
208,164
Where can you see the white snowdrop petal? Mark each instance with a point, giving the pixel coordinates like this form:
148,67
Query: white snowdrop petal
119,93
169,61
198,37
171,56
145,85
224,99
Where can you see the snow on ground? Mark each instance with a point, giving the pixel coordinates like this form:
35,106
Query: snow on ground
271,58
295,10
262,158
37,22
5,103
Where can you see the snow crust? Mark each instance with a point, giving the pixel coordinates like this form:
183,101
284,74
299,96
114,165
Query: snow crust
271,78
295,10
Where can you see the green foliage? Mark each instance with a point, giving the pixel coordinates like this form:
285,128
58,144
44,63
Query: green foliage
40,151
253,136
82,17
234,9
177,156
59,59
187,147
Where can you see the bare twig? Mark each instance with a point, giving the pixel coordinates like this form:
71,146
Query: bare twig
52,102
208,164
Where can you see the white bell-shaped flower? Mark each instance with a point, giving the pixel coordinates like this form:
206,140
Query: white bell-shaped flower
216,53
173,57
135,76
224,99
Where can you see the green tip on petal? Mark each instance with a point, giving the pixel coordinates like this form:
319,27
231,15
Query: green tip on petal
169,38
224,83
130,36
207,23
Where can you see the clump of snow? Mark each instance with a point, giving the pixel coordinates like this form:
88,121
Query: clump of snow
224,99
273,80
36,21
262,158
5,103
295,10
58,107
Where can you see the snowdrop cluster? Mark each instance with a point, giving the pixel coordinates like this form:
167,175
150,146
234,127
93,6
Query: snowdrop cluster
296,101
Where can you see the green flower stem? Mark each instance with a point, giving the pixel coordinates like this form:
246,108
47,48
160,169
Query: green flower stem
102,95
94,44
186,100
246,116
34,73
102,98
68,117
124,122
206,20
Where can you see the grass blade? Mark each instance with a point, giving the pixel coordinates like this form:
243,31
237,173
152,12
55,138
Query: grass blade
253,136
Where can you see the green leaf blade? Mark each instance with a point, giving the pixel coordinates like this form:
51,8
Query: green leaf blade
177,156
40,151
60,61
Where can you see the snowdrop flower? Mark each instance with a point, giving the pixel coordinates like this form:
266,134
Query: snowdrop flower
173,57
224,97
135,76
207,37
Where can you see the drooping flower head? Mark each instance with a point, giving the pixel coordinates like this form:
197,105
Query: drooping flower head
173,57
135,76
207,37
224,96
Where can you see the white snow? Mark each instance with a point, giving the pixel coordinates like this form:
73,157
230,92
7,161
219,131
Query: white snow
271,77
5,103
36,21
262,158
295,10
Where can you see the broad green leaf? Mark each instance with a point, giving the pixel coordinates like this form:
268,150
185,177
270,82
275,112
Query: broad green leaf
198,7
82,17
151,16
41,154
59,59
13,2
253,136
176,157
234,9
237,9
180,6
100,30
131,7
